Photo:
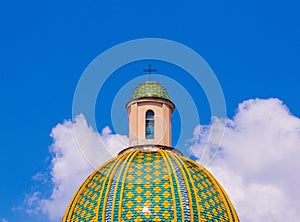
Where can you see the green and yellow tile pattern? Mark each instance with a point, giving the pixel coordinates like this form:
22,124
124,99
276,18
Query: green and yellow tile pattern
150,186
149,89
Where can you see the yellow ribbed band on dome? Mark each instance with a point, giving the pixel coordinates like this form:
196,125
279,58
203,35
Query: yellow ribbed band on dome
122,176
172,185
176,184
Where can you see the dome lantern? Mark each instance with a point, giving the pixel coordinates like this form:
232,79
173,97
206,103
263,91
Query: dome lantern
150,115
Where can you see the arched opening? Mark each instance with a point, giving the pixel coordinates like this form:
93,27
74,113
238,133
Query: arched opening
149,124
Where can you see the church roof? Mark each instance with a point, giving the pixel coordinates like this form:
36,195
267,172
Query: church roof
150,186
149,89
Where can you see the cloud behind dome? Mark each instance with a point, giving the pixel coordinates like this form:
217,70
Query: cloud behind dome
258,161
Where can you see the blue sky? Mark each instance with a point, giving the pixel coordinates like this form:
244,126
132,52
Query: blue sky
253,48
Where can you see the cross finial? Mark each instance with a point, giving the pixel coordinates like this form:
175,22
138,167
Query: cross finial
150,70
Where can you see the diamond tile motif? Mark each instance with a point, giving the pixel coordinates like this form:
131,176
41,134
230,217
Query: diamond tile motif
148,188
208,196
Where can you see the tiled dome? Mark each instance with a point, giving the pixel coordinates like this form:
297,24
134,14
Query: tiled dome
156,185
149,89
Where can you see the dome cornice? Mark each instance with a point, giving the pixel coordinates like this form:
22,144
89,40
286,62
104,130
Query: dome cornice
151,148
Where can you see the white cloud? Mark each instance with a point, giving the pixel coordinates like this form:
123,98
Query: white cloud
258,163
77,150
4,220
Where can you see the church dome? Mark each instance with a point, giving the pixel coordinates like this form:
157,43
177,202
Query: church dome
150,183
149,89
